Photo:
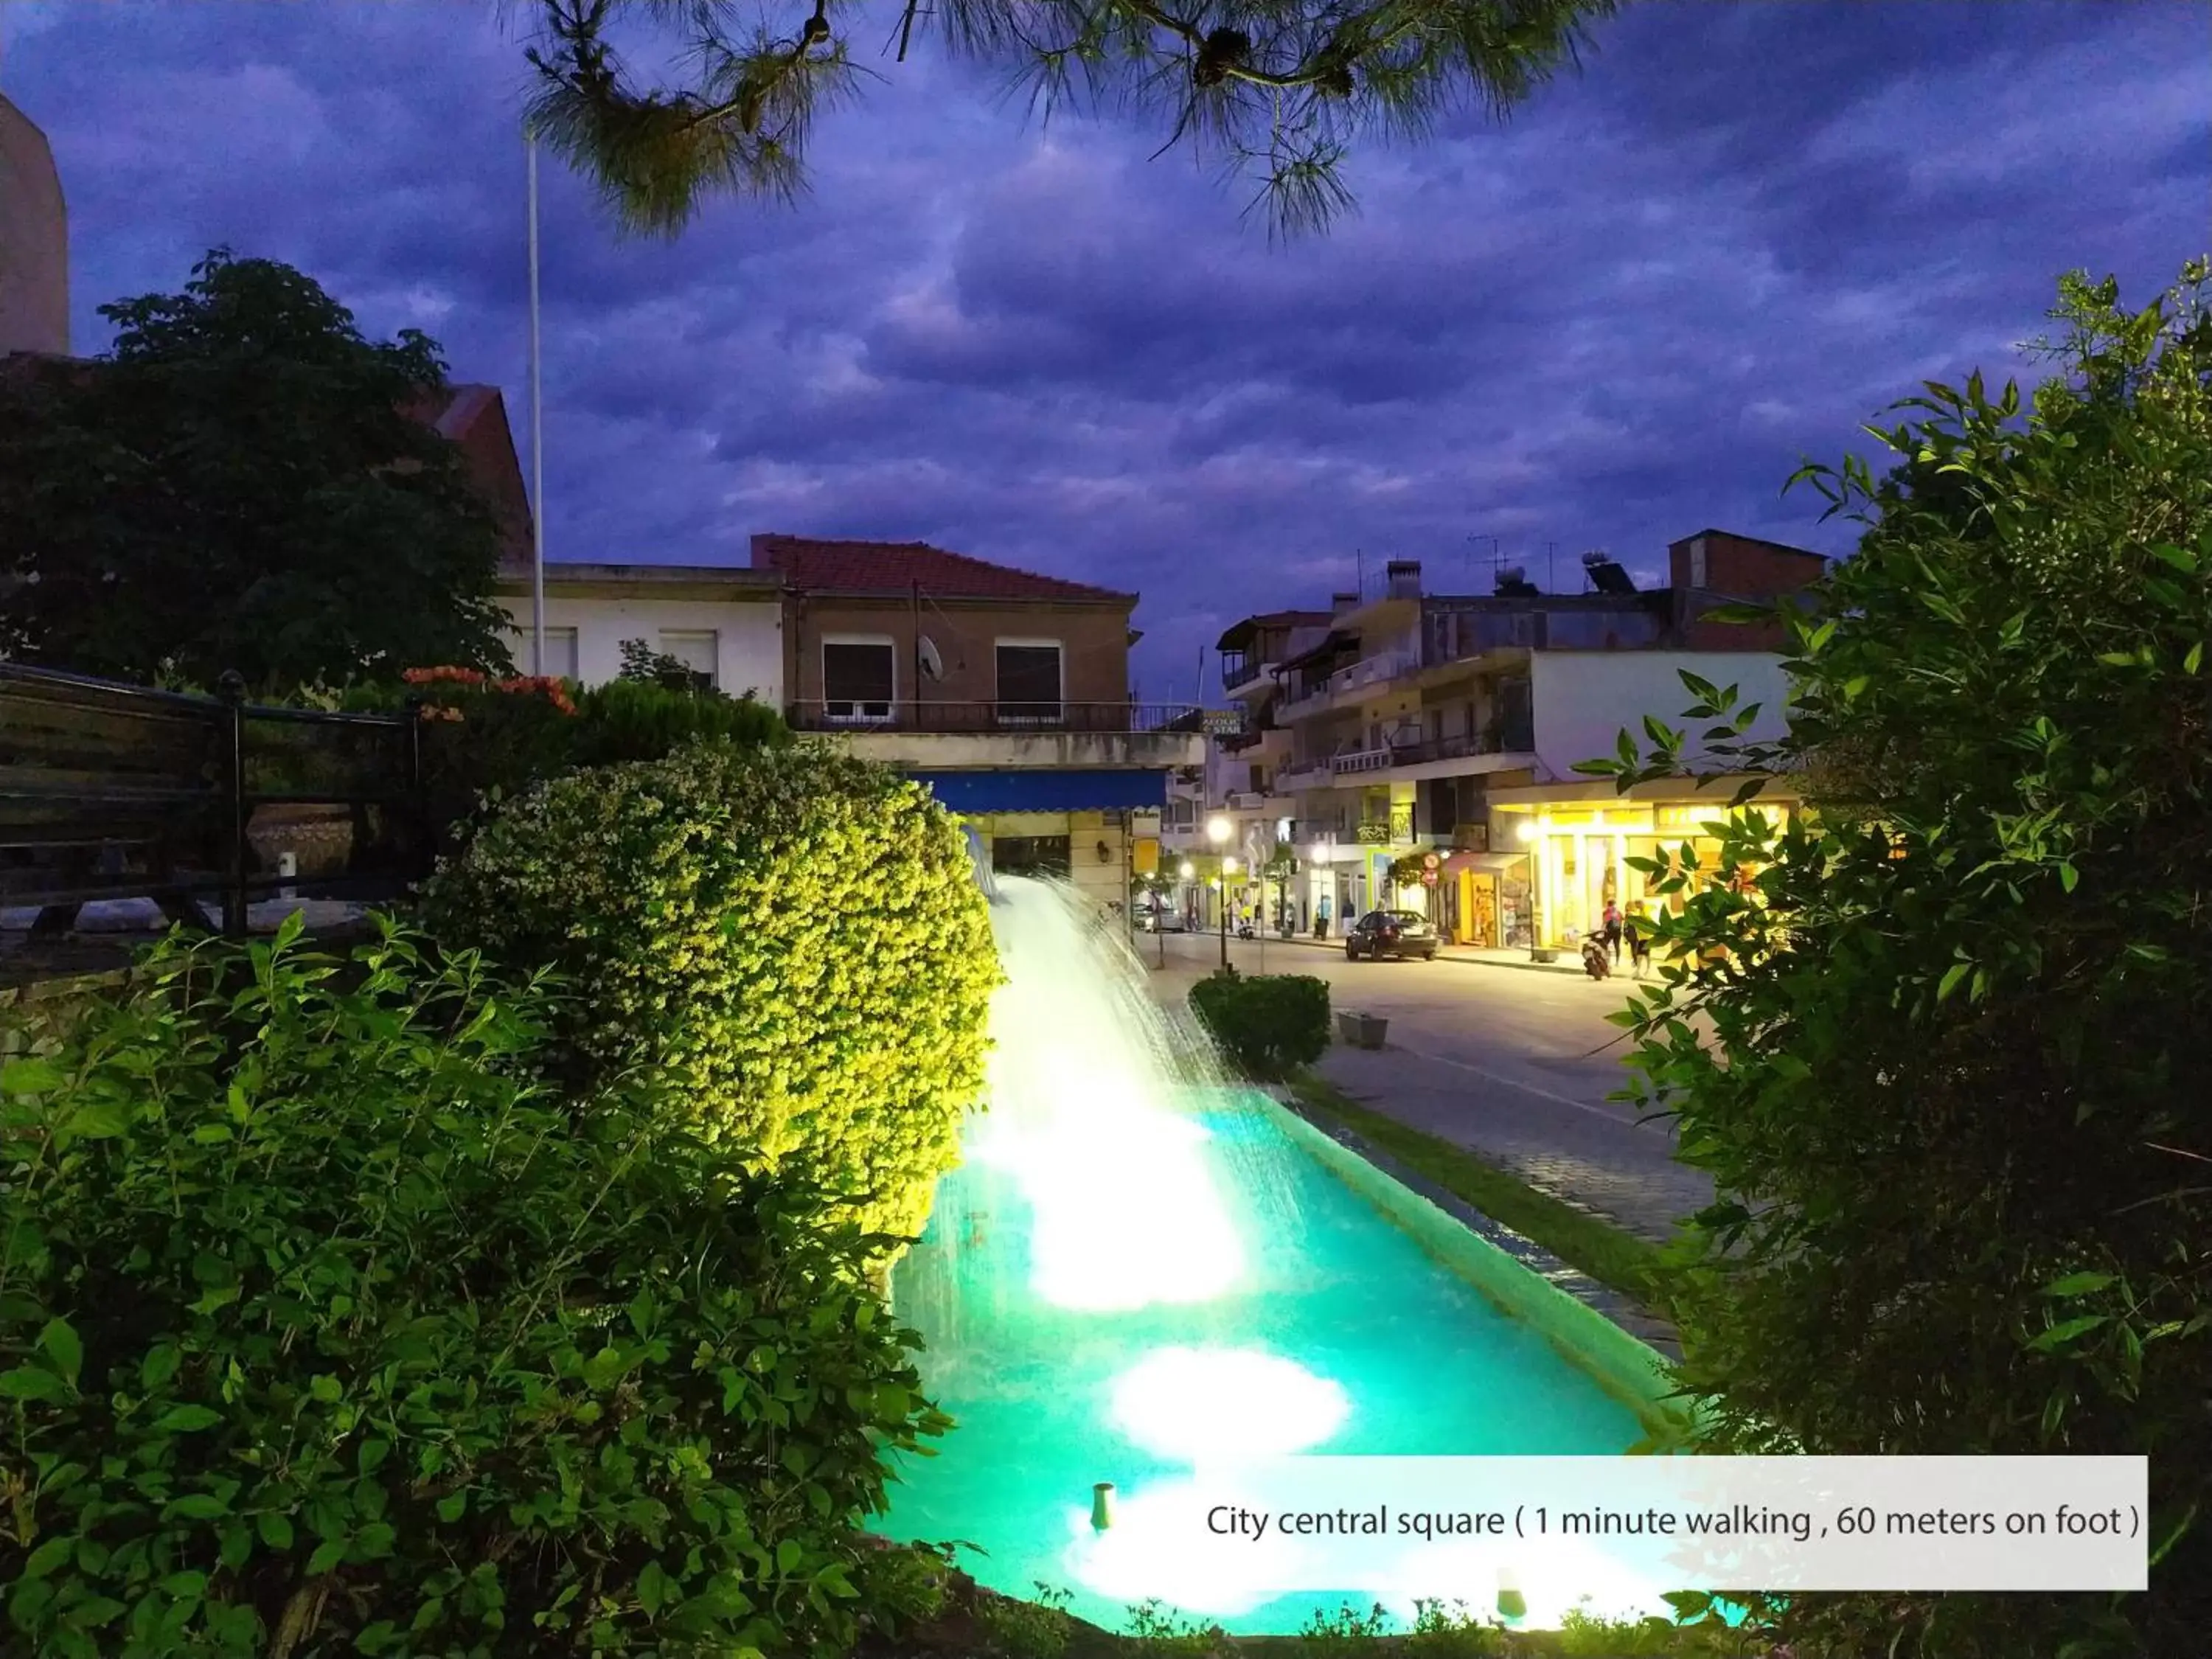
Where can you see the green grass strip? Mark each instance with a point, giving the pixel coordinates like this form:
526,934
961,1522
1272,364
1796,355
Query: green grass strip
1611,1256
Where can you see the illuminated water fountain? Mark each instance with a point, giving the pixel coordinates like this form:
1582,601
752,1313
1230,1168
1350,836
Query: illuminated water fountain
1138,1268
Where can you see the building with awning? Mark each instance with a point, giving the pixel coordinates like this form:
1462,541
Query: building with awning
1004,691
1415,714
1573,848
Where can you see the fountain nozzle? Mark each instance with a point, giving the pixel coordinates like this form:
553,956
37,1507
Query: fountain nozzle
1512,1605
1102,1505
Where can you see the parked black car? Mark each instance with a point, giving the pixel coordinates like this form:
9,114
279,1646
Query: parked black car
1391,934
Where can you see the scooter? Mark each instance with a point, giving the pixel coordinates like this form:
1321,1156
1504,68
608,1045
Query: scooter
1596,961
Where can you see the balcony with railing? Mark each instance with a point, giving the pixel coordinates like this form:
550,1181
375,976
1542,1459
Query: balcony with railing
1011,717
1377,670
1311,773
1003,734
1240,668
1319,772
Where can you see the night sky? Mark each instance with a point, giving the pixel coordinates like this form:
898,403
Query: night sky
1622,316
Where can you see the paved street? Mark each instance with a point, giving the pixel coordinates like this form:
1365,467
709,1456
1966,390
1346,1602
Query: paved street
1513,1064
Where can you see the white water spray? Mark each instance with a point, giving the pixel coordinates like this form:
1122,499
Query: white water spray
1092,1117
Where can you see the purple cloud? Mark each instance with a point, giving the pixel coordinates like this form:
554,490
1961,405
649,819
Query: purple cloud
1624,314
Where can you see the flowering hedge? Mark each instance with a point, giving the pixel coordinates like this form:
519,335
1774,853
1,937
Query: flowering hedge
793,937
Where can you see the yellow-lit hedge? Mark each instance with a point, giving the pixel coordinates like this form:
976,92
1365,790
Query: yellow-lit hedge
793,936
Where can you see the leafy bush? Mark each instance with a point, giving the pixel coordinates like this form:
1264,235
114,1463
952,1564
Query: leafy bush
326,1329
628,720
641,663
1268,1024
487,740
1953,1094
793,936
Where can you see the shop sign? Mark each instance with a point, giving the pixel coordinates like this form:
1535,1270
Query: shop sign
1225,722
1401,820
1372,833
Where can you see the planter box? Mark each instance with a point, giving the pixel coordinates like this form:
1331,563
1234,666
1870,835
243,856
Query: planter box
1543,956
1362,1031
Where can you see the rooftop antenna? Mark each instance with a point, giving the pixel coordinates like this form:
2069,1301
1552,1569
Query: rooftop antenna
1496,558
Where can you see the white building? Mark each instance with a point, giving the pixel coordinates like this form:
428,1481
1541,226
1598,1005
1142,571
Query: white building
724,622
1423,726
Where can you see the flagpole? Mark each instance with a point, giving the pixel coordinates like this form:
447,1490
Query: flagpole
536,439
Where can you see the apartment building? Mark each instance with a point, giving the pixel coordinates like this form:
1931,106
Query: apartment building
1425,744
1004,691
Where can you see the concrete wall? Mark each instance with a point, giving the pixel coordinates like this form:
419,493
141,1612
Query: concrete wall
33,241
930,751
749,635
1584,699
1094,641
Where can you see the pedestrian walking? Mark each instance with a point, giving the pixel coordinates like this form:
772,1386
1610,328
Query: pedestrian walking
1612,931
1637,926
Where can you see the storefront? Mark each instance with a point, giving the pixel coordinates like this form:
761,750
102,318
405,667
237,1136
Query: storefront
1484,899
1582,842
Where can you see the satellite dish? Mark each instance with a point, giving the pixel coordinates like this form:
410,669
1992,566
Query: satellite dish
932,663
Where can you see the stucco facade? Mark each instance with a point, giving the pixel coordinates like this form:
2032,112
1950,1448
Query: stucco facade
35,300
1092,641
726,621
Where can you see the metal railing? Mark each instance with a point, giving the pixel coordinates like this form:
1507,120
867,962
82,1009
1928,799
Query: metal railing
1007,718
115,791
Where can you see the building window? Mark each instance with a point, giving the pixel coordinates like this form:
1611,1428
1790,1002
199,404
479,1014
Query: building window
1029,685
560,652
1031,855
858,679
696,651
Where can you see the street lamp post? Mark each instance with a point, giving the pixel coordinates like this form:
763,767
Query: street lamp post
1228,869
1218,830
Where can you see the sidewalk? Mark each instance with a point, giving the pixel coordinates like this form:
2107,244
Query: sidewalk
1567,963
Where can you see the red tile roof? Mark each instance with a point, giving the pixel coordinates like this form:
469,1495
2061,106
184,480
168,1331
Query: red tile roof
850,567
475,417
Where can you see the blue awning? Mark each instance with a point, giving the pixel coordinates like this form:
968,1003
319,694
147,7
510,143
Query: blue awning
1026,790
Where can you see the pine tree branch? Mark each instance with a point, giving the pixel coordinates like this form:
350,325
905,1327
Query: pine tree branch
1307,73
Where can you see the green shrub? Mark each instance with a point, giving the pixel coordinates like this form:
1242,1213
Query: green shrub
1267,1024
324,1329
631,719
793,936
485,741
1947,1063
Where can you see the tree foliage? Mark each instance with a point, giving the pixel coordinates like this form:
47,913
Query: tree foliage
792,936
1277,90
1947,1061
328,1328
240,484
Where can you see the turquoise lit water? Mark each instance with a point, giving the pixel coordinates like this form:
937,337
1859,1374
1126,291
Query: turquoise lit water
1049,1400
1133,1270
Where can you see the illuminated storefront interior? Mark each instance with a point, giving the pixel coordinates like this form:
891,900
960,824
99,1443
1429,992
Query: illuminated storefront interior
1582,839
